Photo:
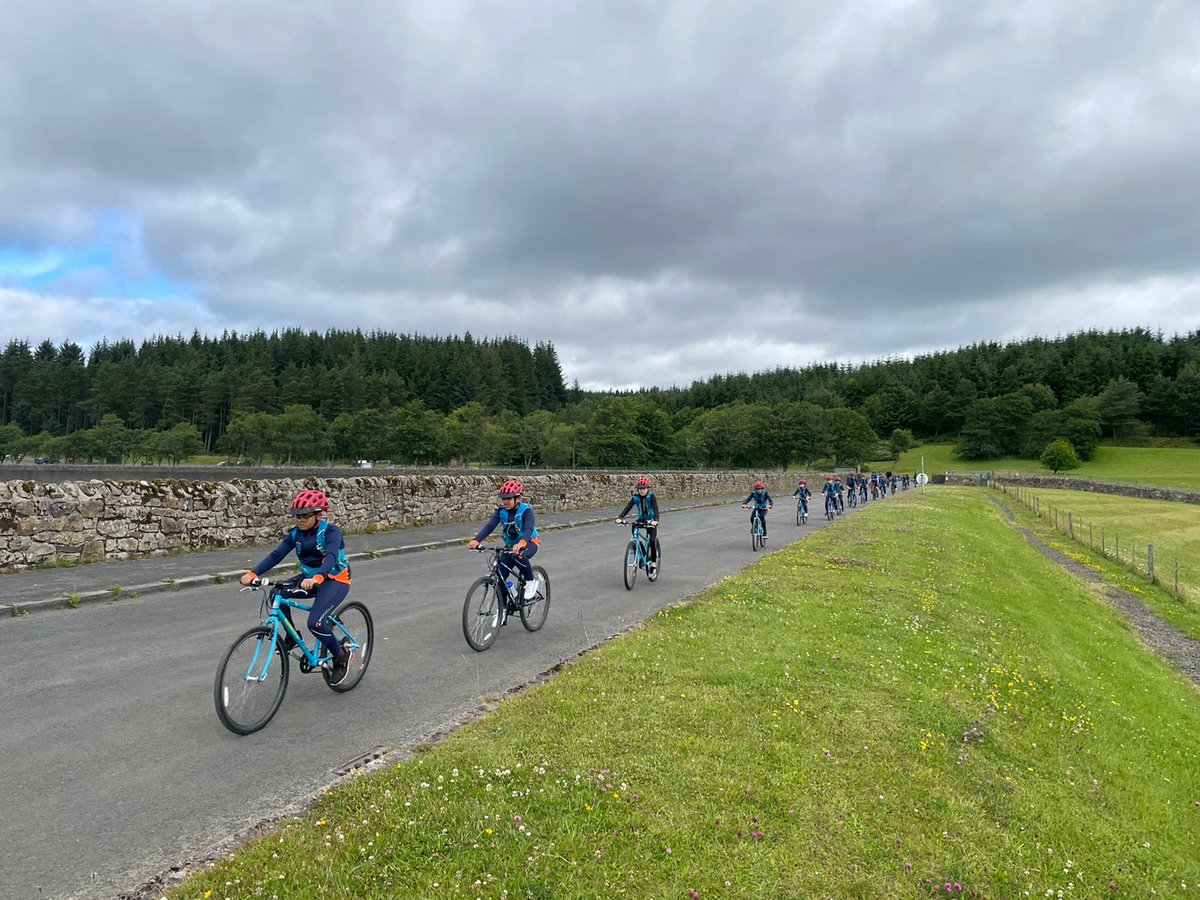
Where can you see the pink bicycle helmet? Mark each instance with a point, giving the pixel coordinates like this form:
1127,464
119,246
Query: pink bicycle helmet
309,501
511,488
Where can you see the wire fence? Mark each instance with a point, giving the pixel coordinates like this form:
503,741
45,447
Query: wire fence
1130,548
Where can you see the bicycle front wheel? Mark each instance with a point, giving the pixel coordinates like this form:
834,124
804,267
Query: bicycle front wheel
629,570
481,614
251,680
533,612
754,535
353,626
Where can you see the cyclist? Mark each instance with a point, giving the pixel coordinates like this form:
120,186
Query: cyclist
895,482
518,529
830,492
851,490
862,487
643,498
760,497
319,547
802,495
841,494
904,482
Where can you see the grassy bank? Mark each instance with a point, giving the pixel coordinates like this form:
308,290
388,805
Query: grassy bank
1132,524
910,703
1166,466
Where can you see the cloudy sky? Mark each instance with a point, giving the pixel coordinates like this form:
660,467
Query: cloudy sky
664,190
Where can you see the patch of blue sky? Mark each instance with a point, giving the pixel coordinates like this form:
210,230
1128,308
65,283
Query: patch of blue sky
112,264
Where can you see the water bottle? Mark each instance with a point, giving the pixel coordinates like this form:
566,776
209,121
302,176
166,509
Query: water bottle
512,588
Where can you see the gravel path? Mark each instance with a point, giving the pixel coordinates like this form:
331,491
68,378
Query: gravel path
1161,637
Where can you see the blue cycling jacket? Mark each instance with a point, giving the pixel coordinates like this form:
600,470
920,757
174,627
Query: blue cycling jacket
762,499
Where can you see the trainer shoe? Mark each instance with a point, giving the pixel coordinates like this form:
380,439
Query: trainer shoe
289,645
341,667
531,588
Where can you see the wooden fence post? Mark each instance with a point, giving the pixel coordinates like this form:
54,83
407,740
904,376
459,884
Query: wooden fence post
1091,543
1071,524
1150,562
1177,578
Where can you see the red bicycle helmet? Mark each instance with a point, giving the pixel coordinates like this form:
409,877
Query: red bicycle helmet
758,485
309,501
643,482
801,481
511,488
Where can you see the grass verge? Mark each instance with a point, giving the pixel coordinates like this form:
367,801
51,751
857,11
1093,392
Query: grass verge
1163,466
1101,522
910,703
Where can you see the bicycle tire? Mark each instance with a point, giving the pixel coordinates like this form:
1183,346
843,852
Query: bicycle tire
652,572
225,697
754,533
534,612
629,565
366,645
481,614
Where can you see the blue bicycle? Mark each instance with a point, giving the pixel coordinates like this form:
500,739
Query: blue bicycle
757,537
801,511
637,554
253,675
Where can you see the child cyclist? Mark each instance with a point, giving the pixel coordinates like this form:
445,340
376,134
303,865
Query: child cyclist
830,492
758,503
322,554
647,505
518,530
802,494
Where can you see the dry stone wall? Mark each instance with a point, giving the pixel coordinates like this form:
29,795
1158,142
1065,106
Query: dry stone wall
1175,495
94,521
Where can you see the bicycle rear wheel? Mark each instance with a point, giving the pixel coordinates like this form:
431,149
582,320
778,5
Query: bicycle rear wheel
533,612
630,565
251,680
352,623
481,614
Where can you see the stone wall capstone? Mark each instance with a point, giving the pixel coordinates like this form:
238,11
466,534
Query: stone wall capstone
94,521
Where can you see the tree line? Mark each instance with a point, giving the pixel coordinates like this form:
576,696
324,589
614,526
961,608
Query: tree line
308,397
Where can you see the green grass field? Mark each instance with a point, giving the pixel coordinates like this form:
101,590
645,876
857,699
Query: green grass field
910,703
1173,529
1168,466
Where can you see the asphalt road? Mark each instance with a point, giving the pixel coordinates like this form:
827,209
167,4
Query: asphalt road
115,767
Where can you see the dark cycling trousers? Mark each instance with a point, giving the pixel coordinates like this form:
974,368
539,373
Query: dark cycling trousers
763,513
652,536
510,561
327,597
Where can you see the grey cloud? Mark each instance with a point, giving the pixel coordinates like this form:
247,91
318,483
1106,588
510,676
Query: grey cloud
620,179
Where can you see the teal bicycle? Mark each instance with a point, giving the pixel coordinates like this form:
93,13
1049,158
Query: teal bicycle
253,674
757,537
637,554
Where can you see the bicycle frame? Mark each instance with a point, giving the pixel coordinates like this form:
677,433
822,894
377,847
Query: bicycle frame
279,623
497,579
641,537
